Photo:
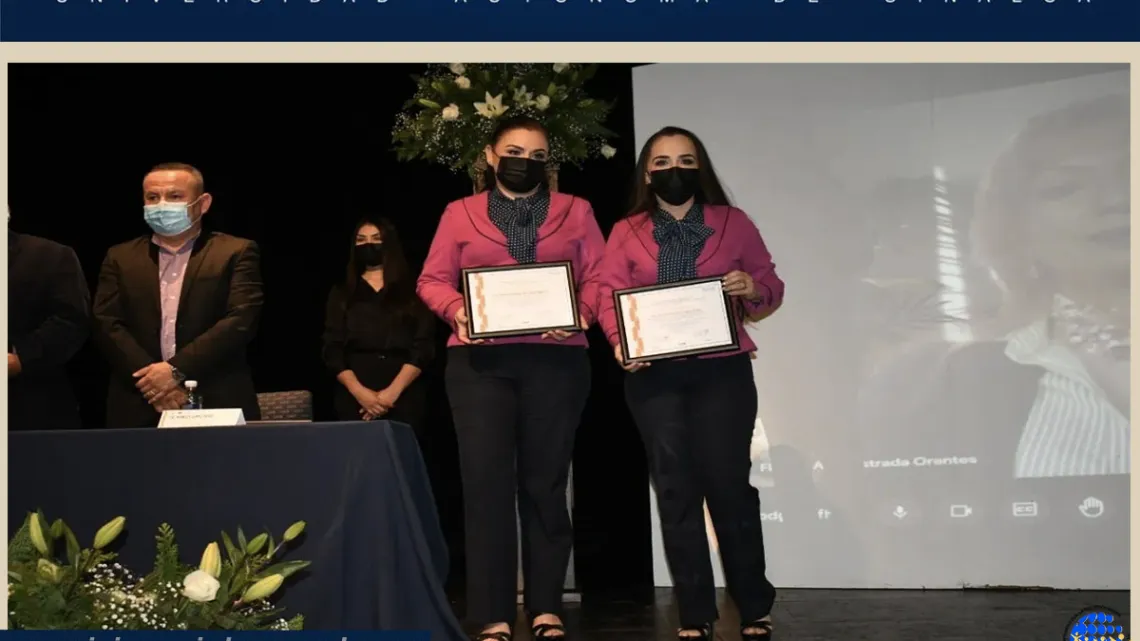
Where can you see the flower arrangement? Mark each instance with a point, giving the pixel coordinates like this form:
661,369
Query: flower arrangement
89,591
455,108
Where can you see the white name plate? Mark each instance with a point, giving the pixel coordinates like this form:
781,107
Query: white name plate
202,418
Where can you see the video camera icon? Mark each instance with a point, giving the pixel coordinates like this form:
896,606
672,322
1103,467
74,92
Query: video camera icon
961,511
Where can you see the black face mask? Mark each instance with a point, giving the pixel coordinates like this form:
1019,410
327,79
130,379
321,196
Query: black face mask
675,185
520,175
369,255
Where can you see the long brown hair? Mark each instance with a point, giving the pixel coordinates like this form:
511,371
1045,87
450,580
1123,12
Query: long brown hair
399,286
642,199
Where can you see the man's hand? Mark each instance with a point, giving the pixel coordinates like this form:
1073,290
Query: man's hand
14,366
171,400
154,380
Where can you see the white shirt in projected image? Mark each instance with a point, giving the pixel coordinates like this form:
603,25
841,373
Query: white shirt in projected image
1072,428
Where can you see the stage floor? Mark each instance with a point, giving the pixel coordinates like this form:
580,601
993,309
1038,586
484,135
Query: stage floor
851,615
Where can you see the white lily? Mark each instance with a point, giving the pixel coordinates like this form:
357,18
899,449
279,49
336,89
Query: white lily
492,107
523,97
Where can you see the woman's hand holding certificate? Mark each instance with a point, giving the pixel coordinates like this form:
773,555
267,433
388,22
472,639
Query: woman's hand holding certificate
738,283
461,328
689,318
561,334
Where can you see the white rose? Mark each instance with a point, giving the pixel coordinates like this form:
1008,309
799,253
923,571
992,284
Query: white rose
542,102
451,112
559,67
463,82
457,68
200,586
608,151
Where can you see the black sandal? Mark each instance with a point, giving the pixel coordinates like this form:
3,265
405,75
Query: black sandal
705,631
501,635
763,624
542,630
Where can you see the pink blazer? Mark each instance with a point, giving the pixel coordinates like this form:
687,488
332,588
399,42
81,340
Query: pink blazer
631,261
466,237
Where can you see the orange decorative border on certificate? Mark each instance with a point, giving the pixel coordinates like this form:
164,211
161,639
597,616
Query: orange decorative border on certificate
480,301
635,329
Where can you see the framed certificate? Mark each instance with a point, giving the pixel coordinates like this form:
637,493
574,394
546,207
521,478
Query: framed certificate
520,300
689,318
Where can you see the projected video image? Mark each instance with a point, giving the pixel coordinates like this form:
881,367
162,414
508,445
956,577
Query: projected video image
1016,354
950,369
1053,225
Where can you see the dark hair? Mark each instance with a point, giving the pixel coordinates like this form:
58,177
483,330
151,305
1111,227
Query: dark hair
196,175
711,192
506,126
399,285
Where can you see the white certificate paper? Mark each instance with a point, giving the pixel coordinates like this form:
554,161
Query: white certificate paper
521,300
675,320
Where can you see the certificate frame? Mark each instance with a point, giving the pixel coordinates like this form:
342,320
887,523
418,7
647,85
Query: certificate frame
623,323
470,274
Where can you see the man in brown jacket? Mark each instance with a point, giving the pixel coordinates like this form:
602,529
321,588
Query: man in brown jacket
180,304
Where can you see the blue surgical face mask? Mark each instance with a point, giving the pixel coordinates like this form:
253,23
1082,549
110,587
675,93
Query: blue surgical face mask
168,219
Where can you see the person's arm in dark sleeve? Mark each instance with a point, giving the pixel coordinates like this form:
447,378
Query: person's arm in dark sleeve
114,340
423,342
334,337
67,324
422,350
334,341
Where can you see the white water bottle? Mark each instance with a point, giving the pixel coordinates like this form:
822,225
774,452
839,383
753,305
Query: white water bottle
193,398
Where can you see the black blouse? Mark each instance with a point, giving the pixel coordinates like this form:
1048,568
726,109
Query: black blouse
365,323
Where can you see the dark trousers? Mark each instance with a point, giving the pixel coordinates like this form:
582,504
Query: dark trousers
516,409
696,418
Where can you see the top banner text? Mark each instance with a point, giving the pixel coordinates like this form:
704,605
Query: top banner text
570,20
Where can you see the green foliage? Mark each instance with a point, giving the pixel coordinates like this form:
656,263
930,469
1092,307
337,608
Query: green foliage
20,548
455,107
167,567
89,592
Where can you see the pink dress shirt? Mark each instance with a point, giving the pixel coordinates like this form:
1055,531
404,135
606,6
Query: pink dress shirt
631,261
466,237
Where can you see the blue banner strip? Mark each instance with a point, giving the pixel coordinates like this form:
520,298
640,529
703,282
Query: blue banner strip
570,20
212,635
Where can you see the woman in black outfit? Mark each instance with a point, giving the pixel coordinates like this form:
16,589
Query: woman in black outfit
378,334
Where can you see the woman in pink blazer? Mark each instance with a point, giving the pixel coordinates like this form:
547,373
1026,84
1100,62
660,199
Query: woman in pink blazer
516,402
696,415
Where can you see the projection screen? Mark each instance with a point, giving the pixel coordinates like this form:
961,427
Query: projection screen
944,397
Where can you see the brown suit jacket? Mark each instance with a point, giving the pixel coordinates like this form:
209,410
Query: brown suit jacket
217,318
